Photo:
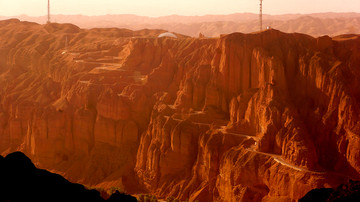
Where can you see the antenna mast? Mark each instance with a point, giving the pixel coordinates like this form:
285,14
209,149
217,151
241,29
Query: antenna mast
260,16
48,20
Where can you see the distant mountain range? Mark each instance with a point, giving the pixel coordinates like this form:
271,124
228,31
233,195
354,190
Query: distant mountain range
316,24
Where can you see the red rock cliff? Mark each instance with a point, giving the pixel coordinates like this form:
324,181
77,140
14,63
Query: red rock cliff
265,116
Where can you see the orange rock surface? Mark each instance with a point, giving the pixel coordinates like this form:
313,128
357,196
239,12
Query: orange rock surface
246,117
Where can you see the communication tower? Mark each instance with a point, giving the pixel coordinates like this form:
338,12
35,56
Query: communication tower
48,17
260,15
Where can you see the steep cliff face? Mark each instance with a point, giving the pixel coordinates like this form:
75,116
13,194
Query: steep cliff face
263,116
62,100
273,107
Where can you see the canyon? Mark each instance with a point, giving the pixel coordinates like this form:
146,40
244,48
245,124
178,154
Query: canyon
265,116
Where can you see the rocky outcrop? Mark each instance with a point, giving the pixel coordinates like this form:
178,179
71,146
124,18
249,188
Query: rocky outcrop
245,117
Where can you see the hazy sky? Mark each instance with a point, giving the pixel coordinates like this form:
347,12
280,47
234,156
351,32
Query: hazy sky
168,7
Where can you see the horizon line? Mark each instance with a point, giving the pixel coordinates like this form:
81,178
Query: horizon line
137,15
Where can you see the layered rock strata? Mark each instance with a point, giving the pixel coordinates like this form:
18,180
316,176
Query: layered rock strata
245,117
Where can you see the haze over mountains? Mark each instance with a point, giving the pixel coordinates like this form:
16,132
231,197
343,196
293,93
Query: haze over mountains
316,24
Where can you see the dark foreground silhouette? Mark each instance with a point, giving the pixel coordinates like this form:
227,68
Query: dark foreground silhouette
20,180
346,192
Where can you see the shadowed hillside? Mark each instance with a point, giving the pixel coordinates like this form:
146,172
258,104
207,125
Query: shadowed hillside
22,181
344,193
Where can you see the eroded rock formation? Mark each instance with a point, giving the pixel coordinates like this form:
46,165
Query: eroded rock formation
244,117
